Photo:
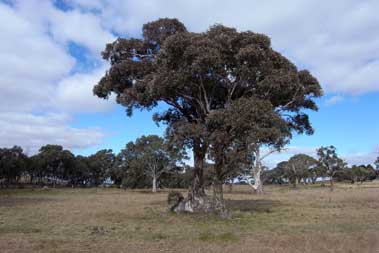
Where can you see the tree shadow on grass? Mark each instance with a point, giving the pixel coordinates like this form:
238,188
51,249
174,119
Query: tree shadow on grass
252,205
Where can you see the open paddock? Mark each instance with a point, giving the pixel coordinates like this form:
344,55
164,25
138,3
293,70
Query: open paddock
308,219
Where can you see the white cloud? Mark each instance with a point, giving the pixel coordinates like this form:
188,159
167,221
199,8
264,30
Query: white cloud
31,132
37,75
75,93
334,100
83,28
30,63
361,158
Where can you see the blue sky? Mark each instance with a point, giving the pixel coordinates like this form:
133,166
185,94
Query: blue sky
50,59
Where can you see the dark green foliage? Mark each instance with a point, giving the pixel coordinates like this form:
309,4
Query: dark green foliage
274,176
356,173
365,172
13,162
329,160
305,168
100,165
132,167
55,162
299,168
178,178
80,174
55,165
147,160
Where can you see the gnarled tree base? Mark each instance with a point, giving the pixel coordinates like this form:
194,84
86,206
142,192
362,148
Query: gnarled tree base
196,204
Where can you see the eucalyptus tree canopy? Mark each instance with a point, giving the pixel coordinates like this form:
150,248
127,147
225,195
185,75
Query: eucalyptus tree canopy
328,158
99,165
317,172
80,173
148,157
362,173
205,76
12,163
299,167
55,161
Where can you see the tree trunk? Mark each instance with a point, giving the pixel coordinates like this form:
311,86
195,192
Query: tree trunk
197,201
218,180
258,186
218,196
331,183
154,183
257,171
295,182
198,183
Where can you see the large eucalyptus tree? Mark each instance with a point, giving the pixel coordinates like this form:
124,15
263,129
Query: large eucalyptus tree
203,77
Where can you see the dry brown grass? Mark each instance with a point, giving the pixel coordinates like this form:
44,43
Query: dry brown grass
309,219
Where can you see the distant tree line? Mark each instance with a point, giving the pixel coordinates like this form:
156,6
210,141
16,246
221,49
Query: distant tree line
304,169
147,162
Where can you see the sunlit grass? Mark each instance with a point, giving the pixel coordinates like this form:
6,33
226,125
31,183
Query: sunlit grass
101,220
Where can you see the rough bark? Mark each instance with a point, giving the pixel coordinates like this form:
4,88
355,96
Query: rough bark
199,152
218,179
197,201
203,205
218,196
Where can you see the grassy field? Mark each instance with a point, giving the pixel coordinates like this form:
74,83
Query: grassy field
308,219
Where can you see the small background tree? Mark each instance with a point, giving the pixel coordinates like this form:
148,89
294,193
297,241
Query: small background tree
328,158
148,158
99,165
299,168
12,163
